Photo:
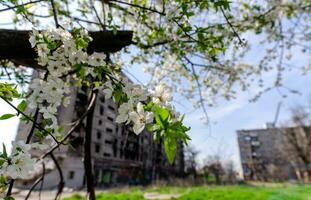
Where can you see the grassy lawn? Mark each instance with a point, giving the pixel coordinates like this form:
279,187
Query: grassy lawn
212,193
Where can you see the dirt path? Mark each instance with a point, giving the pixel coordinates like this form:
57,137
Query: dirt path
155,195
50,195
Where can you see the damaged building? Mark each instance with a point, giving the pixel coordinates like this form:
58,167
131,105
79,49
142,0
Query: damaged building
119,156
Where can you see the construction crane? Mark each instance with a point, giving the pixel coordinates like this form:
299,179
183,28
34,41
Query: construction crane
276,117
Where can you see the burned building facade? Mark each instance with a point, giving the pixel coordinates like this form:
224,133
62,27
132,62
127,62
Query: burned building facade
275,154
118,155
259,151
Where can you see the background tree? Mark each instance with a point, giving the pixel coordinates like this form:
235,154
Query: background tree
191,162
296,143
213,166
231,175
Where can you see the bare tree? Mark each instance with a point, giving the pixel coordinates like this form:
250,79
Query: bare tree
230,172
297,143
213,166
191,163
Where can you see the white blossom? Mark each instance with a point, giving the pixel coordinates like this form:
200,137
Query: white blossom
96,59
162,95
140,118
108,90
19,166
77,57
33,38
69,47
124,111
20,146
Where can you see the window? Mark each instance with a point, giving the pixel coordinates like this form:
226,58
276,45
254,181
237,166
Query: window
108,142
115,147
254,138
71,175
99,134
109,130
117,128
110,119
100,122
107,154
247,138
102,99
111,107
255,143
101,110
97,148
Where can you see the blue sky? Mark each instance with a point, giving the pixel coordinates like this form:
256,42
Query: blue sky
219,136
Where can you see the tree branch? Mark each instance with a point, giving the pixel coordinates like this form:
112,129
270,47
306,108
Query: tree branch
36,183
20,5
61,183
88,168
241,42
73,128
138,6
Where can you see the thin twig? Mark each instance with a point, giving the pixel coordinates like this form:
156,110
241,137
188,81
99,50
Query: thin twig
97,16
61,183
138,6
54,14
33,126
241,42
200,92
37,182
30,119
73,128
20,5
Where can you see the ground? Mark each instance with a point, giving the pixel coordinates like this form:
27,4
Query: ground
239,192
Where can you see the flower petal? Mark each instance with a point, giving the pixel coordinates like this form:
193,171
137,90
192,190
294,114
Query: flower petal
138,128
121,118
140,108
134,117
149,117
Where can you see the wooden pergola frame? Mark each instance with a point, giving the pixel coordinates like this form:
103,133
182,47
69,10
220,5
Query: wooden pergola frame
15,45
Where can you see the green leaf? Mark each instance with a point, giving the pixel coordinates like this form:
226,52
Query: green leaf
170,148
22,106
7,116
9,198
24,119
153,127
8,91
149,106
161,116
3,181
4,152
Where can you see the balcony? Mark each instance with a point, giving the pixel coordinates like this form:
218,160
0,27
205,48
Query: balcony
255,143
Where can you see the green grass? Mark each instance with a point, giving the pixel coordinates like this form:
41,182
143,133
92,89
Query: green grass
281,192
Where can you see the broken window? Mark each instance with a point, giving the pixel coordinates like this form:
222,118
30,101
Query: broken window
101,110
107,154
99,134
110,118
97,148
71,175
111,107
102,99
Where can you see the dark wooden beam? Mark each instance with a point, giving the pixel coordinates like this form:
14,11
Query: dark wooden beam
14,44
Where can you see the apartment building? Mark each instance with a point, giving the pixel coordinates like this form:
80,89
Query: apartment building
119,156
262,154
